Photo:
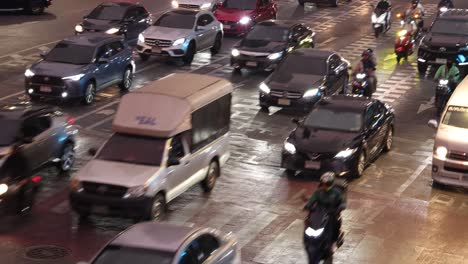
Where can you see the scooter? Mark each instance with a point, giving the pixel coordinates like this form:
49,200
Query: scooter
379,21
404,45
443,92
360,85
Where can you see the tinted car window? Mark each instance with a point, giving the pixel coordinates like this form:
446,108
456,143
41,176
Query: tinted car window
141,12
189,256
240,4
115,48
323,118
132,14
371,115
108,12
334,61
453,27
71,53
456,116
204,20
207,244
296,64
133,149
103,52
123,255
267,33
177,148
175,20
9,131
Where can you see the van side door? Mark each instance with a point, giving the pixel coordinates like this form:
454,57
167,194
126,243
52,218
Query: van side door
178,162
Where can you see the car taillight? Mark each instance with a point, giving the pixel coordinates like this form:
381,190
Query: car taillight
36,179
70,120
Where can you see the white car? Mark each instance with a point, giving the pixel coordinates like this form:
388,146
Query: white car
180,34
209,5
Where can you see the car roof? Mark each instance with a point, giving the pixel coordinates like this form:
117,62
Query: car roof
278,23
92,39
455,14
313,53
458,98
155,236
23,110
347,103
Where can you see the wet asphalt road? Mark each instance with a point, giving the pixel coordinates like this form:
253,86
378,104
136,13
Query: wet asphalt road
394,214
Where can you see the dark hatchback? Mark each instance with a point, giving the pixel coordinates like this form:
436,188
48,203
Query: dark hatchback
79,66
342,133
446,38
303,78
268,43
125,19
33,7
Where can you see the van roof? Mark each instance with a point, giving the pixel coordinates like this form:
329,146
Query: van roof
163,107
460,94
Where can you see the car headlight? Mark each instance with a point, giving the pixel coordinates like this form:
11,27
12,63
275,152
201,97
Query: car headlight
290,148
136,191
28,73
175,4
3,188
443,82
312,232
441,152
245,20
112,30
79,28
74,77
75,185
235,52
141,38
264,88
402,33
275,56
311,92
205,6
178,42
346,153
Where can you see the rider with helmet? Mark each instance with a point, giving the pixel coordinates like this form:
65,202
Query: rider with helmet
416,9
446,3
368,65
385,6
448,71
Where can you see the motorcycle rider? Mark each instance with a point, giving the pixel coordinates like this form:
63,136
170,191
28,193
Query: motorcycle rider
385,6
416,8
446,3
367,65
448,71
330,197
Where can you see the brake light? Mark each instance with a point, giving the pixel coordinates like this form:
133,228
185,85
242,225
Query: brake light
70,120
36,179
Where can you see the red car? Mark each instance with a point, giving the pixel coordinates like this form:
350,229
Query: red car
238,16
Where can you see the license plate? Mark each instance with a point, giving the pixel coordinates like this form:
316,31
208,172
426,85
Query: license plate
441,61
45,89
226,26
100,209
156,50
284,101
251,63
311,164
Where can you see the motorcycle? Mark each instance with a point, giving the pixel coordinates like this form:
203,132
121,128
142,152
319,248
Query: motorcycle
443,92
379,21
360,85
404,45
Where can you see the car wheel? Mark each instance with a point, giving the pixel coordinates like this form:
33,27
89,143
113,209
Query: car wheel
360,165
188,58
334,3
290,173
216,45
35,9
388,141
90,93
25,199
127,80
422,68
210,180
157,208
144,56
67,158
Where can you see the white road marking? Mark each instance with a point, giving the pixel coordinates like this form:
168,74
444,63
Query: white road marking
11,95
100,122
411,179
325,42
427,105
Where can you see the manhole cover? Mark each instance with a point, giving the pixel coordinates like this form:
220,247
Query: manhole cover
46,252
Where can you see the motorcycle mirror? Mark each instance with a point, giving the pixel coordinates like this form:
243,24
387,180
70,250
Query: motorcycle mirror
433,123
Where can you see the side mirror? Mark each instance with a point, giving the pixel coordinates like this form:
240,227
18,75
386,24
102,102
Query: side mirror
43,55
433,123
27,140
173,162
92,152
103,61
295,121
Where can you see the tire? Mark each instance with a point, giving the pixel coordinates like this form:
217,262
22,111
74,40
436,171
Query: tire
210,180
398,57
26,198
188,58
345,85
376,33
301,2
90,93
360,165
144,56
156,209
422,68
388,141
35,10
290,173
127,80
67,157
216,45
334,3
264,108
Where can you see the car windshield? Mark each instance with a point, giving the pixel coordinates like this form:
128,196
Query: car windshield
133,149
71,53
456,116
125,255
452,27
322,118
297,64
9,131
176,20
107,12
266,33
240,4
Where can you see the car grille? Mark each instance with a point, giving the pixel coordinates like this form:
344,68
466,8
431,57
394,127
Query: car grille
286,94
104,189
161,43
316,156
458,156
188,6
46,80
230,23
458,170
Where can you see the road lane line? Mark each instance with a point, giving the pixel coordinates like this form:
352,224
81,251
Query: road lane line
97,110
411,179
323,43
11,95
100,122
254,227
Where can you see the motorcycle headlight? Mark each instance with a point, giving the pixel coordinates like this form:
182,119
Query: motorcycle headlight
136,191
205,6
443,9
360,76
443,82
313,233
178,42
175,4
75,185
245,20
346,153
79,28
28,73
290,148
112,30
402,33
275,56
264,88
3,188
311,92
441,152
74,77
141,38
235,52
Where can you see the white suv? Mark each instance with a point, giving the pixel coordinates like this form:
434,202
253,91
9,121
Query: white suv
180,34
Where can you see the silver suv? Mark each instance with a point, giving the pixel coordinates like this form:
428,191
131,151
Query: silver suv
181,33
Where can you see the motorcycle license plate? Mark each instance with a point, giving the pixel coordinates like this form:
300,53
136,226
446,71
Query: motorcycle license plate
284,101
311,164
441,61
45,89
251,63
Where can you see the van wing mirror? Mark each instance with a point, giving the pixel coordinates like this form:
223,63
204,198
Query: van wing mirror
433,123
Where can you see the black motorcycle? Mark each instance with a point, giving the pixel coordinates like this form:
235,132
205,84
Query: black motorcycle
361,85
443,92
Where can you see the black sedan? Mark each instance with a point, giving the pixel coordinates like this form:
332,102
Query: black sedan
303,78
342,133
268,43
33,7
126,19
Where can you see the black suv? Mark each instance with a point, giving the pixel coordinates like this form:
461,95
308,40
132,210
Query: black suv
33,7
446,38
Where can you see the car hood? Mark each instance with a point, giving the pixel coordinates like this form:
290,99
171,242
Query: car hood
453,138
308,140
194,2
166,33
261,46
228,14
116,173
294,82
446,40
57,69
100,25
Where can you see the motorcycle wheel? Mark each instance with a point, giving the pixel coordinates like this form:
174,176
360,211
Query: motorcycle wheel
376,32
313,254
398,57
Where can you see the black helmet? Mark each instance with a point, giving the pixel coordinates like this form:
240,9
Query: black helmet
366,53
414,3
327,179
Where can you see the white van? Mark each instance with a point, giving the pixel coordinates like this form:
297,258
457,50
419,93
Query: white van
450,158
169,136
